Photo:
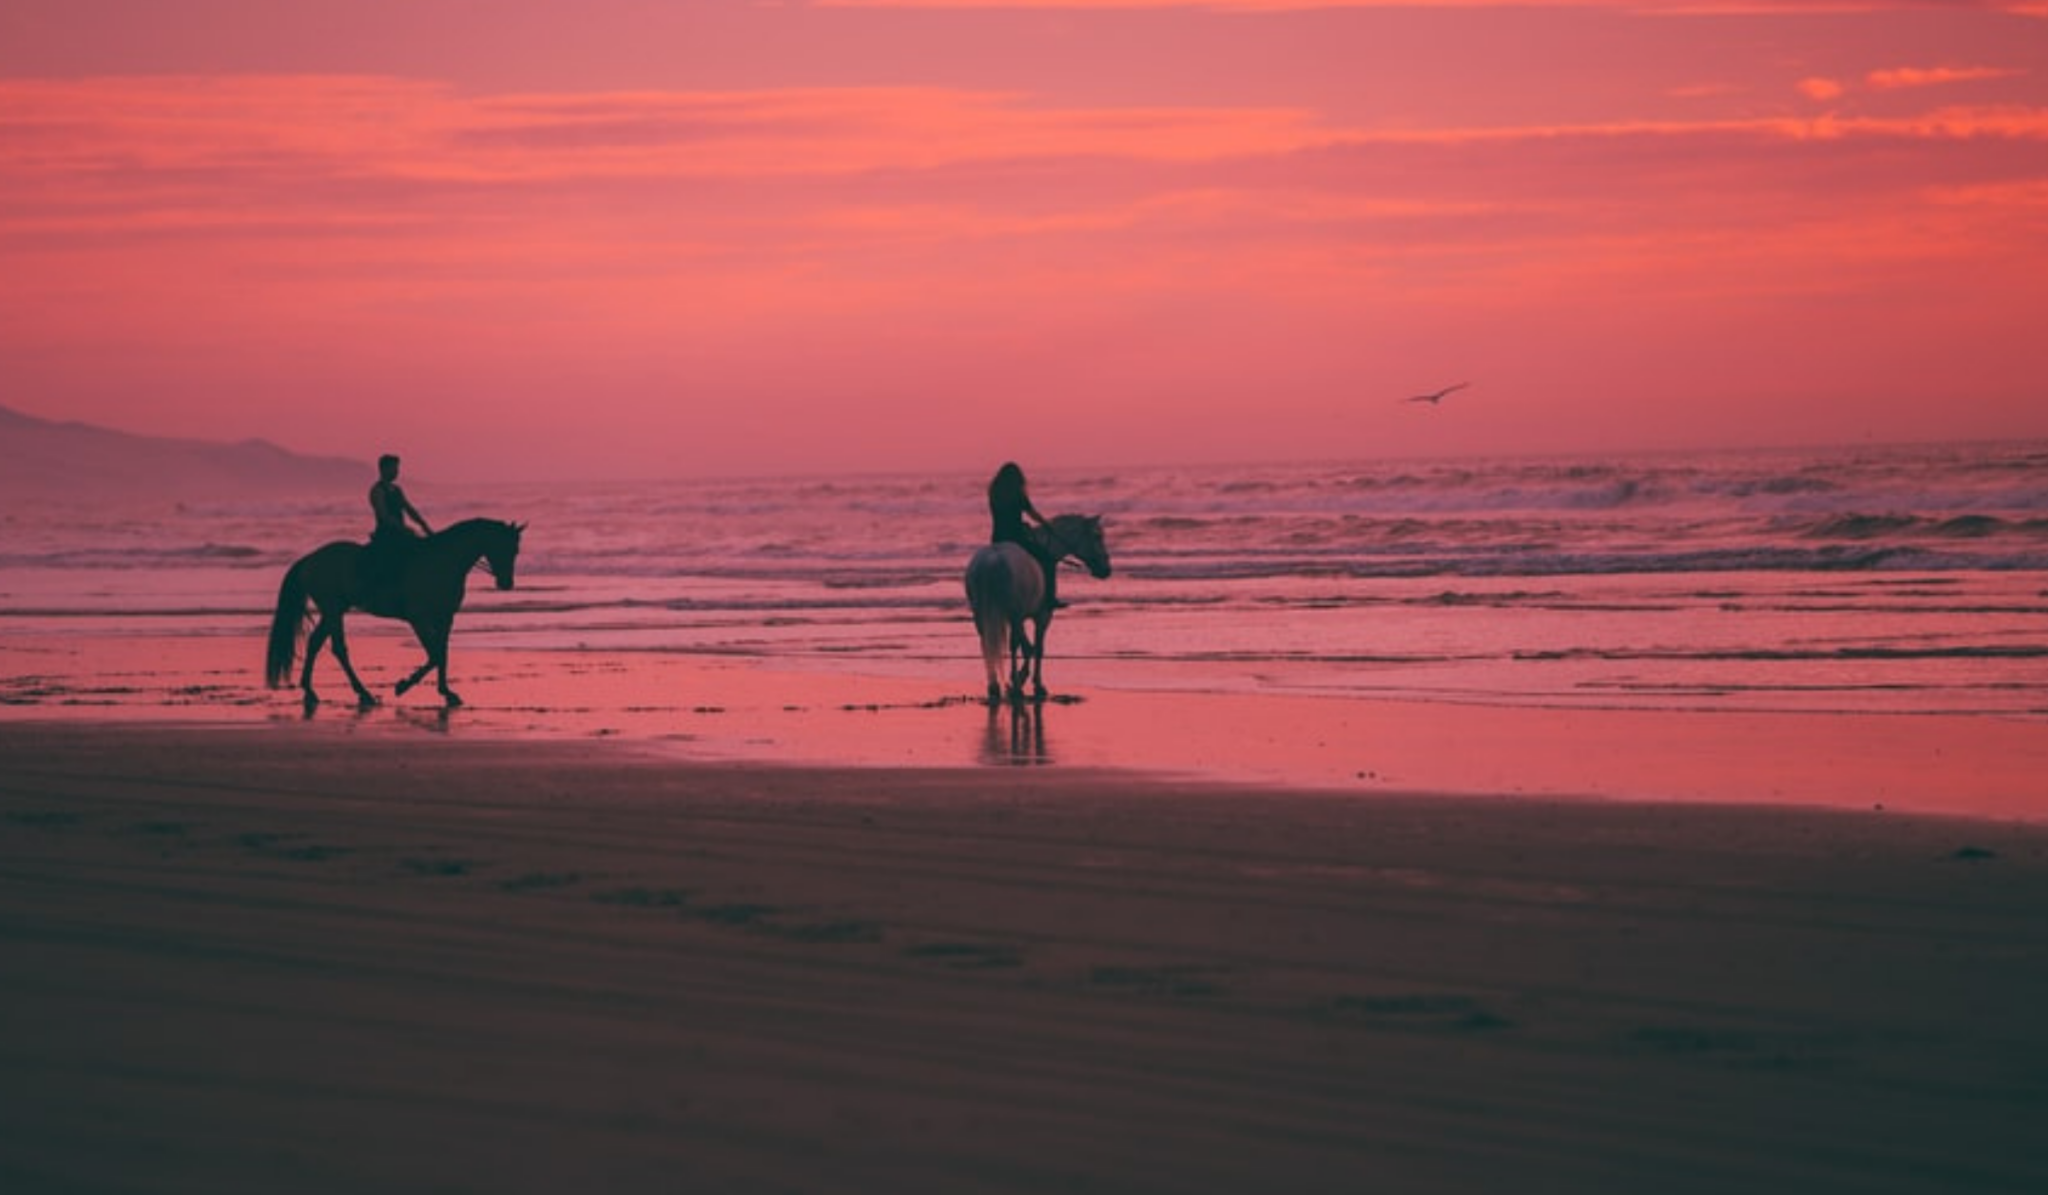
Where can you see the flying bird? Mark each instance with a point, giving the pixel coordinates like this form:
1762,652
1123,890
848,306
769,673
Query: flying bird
1437,397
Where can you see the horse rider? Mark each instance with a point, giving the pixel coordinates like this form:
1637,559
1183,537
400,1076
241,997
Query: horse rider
1008,506
391,540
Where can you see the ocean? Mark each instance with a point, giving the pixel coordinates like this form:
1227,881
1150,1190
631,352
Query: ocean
1892,579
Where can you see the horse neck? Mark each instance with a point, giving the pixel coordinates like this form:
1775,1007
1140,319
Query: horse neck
465,540
1060,534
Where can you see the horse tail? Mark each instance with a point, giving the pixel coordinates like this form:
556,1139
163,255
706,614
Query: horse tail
994,630
988,594
284,627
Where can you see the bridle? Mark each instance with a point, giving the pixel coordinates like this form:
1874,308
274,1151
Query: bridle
1066,547
482,564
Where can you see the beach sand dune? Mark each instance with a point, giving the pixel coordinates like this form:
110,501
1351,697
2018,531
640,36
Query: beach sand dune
270,958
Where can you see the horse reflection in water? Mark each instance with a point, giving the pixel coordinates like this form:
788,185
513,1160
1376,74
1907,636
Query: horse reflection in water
1015,735
1006,590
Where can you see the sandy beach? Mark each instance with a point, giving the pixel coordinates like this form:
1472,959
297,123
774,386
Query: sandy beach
279,956
1535,546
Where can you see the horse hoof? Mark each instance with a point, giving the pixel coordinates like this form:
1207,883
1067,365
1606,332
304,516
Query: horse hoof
403,687
995,694
451,699
367,701
311,699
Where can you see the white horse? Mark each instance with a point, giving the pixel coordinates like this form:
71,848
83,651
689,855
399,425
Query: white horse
1006,589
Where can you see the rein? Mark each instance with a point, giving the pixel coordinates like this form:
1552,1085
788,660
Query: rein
1066,547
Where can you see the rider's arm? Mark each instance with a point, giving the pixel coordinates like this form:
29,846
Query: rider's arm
417,517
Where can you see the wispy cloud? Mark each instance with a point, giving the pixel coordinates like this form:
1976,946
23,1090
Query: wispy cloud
1827,90
558,179
1897,78
191,131
767,204
397,127
702,232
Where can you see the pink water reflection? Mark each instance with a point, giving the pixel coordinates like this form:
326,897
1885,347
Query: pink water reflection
700,708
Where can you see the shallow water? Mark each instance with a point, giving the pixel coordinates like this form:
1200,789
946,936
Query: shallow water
1893,580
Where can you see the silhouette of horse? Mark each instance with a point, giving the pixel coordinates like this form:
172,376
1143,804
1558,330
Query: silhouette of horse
1006,589
426,593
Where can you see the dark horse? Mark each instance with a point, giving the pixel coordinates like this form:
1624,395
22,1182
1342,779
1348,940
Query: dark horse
1006,589
426,593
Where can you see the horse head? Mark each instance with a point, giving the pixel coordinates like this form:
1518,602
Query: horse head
501,551
1080,536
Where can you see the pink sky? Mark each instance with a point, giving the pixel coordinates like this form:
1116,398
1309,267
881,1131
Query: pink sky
590,237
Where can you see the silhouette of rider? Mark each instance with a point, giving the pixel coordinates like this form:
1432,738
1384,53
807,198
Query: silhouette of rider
1008,506
391,540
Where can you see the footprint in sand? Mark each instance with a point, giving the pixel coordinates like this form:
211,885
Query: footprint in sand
436,867
643,898
830,932
43,819
1421,1010
967,956
1738,1048
265,843
313,853
1181,981
733,914
540,881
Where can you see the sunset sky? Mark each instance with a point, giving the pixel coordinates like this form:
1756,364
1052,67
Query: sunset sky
567,238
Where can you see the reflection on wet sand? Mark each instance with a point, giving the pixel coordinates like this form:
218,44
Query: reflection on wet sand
333,711
1015,735
706,709
433,720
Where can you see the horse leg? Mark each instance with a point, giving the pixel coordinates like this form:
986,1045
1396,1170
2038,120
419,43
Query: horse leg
364,698
442,634
1020,658
1044,622
434,638
426,637
314,642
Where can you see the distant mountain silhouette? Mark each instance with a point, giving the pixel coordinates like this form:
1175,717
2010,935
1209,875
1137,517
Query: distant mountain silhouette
72,462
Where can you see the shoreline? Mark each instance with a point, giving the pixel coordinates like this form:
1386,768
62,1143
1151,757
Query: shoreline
276,957
723,709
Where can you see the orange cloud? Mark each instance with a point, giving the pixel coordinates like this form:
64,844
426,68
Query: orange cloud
924,237
337,153
326,157
1909,76
417,130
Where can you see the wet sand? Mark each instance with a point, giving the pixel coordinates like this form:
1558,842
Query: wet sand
709,708
337,955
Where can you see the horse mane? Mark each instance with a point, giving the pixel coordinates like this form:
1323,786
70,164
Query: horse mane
1060,532
469,525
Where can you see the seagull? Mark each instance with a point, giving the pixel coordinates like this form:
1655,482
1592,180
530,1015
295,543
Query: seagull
1437,397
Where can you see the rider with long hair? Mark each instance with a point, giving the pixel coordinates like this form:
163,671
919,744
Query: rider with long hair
1009,504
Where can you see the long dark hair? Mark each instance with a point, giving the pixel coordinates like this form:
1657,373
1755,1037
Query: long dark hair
1008,479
